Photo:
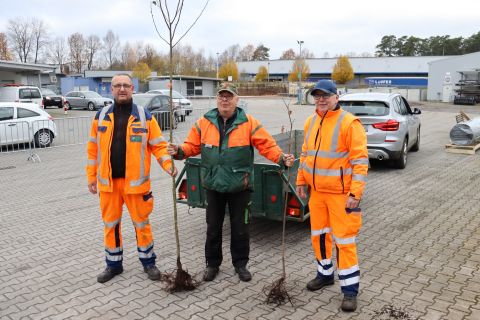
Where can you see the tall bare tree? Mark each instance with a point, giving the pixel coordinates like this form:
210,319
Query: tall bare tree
182,280
58,52
4,51
39,37
19,32
246,53
92,46
76,43
288,54
111,45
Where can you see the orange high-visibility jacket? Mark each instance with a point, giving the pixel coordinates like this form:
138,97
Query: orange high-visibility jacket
229,167
334,154
144,137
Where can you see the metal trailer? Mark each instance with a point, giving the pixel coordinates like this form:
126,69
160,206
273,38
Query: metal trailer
272,188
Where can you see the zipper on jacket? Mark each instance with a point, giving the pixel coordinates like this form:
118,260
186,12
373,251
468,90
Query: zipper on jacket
316,153
341,179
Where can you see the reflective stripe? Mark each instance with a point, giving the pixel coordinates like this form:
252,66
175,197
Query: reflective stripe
136,183
327,172
256,129
349,281
163,158
325,272
336,132
346,272
344,240
359,161
100,179
328,154
359,177
116,250
310,128
143,255
198,128
142,179
324,262
93,140
105,182
155,141
141,225
91,162
111,224
113,258
146,248
321,231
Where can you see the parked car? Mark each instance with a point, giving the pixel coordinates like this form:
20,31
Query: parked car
20,93
177,98
392,127
51,99
86,100
158,105
25,123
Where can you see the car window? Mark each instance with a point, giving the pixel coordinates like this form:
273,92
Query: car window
35,93
365,108
141,100
48,92
71,94
401,107
6,113
156,103
24,93
25,113
91,94
406,105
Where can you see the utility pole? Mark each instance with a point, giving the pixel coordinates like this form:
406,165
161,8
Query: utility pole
300,66
217,64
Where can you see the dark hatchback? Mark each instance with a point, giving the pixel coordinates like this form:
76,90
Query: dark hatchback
158,105
51,99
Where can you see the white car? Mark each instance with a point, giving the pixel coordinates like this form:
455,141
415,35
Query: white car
21,93
25,123
177,98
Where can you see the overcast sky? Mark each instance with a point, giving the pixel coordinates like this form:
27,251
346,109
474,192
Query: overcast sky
336,27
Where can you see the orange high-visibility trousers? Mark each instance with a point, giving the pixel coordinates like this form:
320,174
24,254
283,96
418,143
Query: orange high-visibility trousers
139,206
331,223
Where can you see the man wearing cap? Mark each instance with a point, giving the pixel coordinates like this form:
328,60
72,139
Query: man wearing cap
333,167
224,137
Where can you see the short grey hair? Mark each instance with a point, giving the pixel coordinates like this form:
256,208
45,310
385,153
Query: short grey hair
123,74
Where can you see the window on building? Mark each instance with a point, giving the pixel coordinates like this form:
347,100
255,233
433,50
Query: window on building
194,88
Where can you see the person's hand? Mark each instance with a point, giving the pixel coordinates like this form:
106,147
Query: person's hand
92,187
352,203
301,191
288,159
174,173
172,149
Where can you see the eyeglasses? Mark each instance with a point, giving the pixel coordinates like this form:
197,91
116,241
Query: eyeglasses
324,96
122,85
225,97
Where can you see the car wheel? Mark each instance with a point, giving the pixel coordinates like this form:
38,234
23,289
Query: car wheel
91,106
401,162
43,138
69,107
416,146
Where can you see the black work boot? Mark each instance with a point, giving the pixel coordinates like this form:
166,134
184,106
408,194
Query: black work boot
318,283
108,274
152,272
243,274
210,273
349,303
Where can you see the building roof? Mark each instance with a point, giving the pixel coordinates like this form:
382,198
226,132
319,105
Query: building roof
178,77
368,65
21,66
108,73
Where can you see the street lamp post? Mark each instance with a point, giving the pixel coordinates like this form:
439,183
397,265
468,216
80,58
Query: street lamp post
268,71
300,42
217,64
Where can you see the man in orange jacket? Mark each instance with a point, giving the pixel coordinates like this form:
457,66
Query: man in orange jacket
334,165
122,138
225,137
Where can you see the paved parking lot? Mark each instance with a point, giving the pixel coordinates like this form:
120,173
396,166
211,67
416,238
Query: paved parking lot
419,246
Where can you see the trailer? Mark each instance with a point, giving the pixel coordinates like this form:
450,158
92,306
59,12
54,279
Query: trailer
272,187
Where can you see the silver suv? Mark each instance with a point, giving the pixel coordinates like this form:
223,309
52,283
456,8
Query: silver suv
86,100
392,127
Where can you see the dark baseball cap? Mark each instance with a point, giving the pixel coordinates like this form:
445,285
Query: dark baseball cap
229,87
327,86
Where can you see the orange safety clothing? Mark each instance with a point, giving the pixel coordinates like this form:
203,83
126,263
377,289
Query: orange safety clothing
334,155
144,137
139,206
334,164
